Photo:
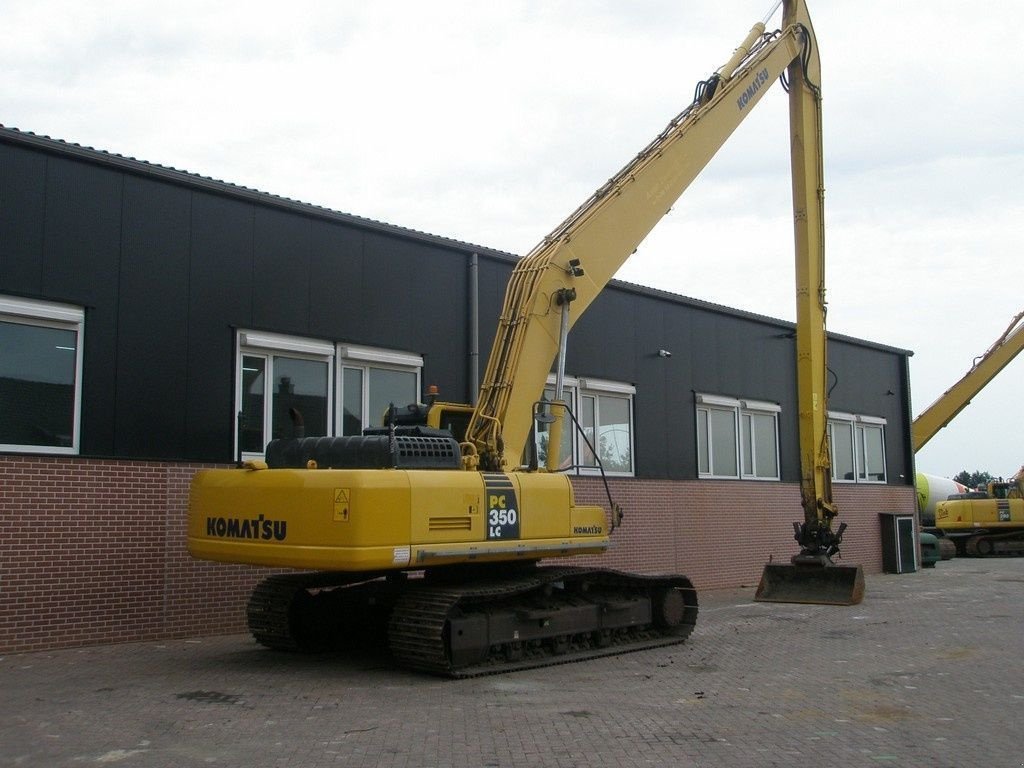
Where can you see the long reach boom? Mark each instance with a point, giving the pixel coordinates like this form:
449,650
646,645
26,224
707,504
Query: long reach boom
555,283
575,262
956,398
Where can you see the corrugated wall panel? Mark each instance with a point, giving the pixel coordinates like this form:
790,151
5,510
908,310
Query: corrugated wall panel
220,299
281,271
152,327
82,266
22,200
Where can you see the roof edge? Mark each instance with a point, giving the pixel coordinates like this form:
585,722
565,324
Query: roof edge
215,186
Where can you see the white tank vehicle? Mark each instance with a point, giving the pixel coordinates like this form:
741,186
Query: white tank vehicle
931,489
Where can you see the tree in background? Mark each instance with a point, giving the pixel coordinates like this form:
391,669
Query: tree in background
973,479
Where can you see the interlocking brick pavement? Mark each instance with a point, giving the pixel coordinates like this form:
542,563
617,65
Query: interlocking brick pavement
925,672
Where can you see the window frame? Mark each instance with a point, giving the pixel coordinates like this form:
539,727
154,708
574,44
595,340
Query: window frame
356,357
589,387
858,426
578,388
570,386
60,316
269,346
738,409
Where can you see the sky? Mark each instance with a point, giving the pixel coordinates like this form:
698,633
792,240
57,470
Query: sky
491,122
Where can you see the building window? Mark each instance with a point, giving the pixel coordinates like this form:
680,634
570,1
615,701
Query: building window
606,416
604,411
280,376
737,438
858,448
40,376
371,380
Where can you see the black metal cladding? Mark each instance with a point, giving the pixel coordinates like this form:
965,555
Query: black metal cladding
169,265
152,326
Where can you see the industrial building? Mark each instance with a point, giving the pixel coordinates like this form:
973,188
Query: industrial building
153,322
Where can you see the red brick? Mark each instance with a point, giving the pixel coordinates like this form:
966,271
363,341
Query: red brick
93,551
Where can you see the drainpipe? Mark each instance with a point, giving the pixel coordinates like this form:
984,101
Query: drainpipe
474,328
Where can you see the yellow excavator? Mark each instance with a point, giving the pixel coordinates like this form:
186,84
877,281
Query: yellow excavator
978,522
985,522
426,533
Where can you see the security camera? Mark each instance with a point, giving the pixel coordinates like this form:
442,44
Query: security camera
664,353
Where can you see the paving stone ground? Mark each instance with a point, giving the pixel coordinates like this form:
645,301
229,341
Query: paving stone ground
927,671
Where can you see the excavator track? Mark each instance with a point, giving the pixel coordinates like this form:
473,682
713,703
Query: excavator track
1008,544
546,617
307,612
486,624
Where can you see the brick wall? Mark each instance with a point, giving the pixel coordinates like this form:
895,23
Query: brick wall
93,551
720,533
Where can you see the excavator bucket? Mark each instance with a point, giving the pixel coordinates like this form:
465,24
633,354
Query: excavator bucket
823,585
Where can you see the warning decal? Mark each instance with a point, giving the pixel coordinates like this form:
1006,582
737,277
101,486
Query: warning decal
341,505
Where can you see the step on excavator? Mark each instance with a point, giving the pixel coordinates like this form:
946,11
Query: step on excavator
426,534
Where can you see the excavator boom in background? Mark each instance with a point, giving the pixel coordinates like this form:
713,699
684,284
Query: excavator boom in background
425,534
956,398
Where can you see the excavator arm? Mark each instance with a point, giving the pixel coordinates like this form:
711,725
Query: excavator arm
571,266
556,282
956,398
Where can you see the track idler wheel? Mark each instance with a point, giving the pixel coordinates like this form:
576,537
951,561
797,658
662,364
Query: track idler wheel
979,546
668,608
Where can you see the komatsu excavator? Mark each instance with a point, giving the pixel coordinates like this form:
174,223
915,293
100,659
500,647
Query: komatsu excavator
983,523
977,522
427,533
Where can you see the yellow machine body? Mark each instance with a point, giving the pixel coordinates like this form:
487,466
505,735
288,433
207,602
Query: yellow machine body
988,522
357,520
970,514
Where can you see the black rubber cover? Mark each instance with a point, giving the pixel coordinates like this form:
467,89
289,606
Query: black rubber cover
405,451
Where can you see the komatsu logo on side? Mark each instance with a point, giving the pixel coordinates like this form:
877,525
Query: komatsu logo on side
586,530
759,80
256,528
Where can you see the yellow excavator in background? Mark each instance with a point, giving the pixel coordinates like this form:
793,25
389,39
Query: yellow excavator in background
985,522
426,533
978,522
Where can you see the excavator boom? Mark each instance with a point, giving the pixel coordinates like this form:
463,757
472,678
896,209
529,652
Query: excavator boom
556,282
956,398
575,262
811,577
